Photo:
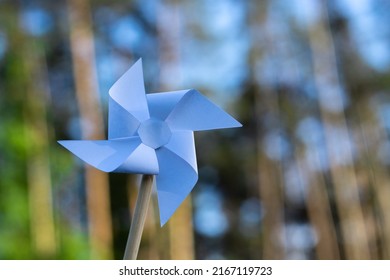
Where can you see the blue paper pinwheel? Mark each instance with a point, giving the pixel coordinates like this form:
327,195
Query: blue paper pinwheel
153,134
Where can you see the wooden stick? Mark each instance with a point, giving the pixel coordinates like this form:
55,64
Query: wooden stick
137,224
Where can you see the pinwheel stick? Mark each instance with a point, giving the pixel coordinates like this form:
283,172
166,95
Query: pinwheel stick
138,221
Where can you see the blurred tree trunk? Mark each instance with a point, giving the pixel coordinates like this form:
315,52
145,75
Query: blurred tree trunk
92,125
271,195
271,185
269,172
30,82
319,211
359,119
169,22
371,136
38,165
353,227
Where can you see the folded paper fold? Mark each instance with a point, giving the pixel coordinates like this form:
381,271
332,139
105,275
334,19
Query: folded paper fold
129,92
174,182
121,123
195,112
153,134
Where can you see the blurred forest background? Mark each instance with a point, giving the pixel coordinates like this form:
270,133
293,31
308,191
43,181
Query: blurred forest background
307,177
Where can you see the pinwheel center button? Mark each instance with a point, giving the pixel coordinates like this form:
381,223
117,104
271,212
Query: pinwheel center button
154,133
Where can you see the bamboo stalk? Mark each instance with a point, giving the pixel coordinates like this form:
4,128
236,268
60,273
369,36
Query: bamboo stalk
138,222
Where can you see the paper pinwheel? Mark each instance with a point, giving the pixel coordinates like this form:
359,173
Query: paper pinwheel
153,134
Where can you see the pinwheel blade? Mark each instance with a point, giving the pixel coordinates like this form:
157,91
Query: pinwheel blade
129,92
161,104
182,144
177,176
105,155
143,160
195,112
120,122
